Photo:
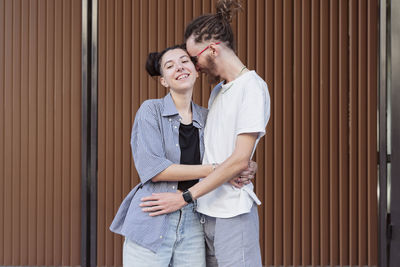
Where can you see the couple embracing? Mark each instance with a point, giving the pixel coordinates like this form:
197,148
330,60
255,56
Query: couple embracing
195,204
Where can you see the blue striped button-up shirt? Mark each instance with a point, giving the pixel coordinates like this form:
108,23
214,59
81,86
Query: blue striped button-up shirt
155,146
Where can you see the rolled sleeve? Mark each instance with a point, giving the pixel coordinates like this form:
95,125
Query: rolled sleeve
254,112
147,144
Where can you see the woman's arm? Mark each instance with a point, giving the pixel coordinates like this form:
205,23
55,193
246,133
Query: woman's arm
179,172
162,203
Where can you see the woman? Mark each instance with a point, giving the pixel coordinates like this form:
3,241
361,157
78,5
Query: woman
167,147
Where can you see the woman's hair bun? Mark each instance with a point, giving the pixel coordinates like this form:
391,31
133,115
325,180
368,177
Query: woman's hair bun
152,64
227,9
153,61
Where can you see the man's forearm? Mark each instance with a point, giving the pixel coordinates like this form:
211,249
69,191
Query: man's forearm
229,169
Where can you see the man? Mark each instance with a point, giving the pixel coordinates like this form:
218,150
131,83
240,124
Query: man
239,109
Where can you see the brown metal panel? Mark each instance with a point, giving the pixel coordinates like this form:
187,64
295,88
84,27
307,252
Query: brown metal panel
372,92
179,21
162,42
324,133
66,125
297,122
58,133
170,23
126,115
16,130
259,9
75,109
144,45
24,133
2,125
306,133
251,35
315,133
362,133
31,171
241,29
116,122
287,105
109,130
41,141
269,235
152,18
334,133
101,177
32,129
8,224
353,164
49,99
343,134
277,113
136,70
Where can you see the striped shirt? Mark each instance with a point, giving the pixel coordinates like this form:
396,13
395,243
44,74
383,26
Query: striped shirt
155,146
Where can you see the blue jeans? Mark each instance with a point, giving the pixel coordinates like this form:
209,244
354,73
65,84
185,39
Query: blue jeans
183,245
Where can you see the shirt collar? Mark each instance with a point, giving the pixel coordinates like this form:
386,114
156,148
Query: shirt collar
169,109
197,118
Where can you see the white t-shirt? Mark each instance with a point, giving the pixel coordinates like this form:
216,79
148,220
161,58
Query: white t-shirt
240,106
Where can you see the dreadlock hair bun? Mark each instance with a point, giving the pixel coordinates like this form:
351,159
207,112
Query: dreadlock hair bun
227,9
216,27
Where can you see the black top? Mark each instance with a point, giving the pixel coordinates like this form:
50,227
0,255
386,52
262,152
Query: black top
190,150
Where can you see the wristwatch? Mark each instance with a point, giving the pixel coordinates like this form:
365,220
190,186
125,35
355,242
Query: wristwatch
187,196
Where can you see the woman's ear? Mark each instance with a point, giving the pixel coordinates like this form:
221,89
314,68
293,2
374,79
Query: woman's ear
163,82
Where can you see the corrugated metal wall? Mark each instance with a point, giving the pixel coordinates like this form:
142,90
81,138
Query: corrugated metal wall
40,112
317,173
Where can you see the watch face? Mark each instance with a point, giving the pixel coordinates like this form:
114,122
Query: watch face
187,196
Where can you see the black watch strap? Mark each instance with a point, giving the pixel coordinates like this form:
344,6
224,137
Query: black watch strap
187,196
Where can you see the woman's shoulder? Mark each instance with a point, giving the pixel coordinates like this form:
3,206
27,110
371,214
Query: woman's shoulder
150,106
200,109
201,112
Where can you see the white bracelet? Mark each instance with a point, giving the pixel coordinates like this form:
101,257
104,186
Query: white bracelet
214,166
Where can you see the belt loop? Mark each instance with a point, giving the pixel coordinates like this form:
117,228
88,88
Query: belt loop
194,205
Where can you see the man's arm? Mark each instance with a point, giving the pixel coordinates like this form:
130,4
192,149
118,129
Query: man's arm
162,203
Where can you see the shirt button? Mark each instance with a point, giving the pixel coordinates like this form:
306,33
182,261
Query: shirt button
160,236
175,127
177,145
169,119
173,187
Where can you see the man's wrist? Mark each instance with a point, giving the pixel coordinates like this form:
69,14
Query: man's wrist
187,196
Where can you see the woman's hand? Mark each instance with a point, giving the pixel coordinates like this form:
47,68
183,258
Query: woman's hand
246,176
162,203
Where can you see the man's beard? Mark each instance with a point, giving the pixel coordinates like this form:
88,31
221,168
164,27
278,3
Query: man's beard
210,70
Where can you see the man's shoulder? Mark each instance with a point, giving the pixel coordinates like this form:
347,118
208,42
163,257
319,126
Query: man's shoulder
253,79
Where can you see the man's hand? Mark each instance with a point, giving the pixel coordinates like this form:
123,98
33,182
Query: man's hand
246,176
162,203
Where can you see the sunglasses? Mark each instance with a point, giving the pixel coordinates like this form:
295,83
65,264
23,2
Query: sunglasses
195,59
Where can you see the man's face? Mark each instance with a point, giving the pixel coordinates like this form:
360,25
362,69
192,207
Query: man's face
204,61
